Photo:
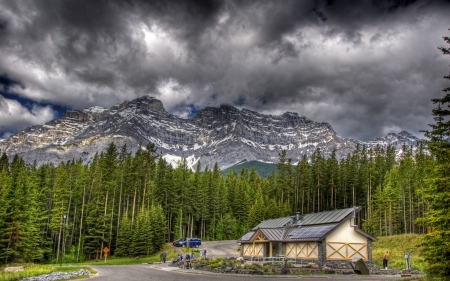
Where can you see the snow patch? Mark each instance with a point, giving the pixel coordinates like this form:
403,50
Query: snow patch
174,160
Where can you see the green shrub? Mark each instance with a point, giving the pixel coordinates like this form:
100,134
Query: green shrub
214,265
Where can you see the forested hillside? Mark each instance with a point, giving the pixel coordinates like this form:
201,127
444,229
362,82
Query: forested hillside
133,204
263,169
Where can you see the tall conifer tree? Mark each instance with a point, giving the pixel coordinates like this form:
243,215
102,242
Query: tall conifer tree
436,244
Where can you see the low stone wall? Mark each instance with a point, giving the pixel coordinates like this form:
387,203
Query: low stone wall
304,268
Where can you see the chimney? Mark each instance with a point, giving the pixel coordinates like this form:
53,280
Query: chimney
297,216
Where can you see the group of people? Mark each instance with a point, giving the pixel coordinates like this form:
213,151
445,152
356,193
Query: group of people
187,258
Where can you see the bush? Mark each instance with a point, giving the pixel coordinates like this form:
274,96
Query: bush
214,265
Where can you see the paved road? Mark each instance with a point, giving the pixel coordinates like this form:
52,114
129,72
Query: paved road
147,272
214,249
225,248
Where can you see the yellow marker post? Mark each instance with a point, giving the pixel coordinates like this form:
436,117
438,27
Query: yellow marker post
105,252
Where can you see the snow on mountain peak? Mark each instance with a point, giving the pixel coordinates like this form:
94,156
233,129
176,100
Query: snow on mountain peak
224,135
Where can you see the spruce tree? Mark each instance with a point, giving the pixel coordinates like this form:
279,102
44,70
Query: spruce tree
436,248
124,238
158,228
4,162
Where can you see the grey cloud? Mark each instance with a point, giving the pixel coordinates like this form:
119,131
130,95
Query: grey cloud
363,66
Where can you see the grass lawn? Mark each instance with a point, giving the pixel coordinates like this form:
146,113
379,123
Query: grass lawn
397,246
31,270
136,260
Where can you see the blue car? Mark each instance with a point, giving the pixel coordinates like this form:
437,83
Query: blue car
193,242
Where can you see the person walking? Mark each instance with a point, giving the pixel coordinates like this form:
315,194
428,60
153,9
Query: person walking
385,260
164,256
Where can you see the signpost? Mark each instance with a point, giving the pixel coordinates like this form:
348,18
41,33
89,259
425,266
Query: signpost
105,252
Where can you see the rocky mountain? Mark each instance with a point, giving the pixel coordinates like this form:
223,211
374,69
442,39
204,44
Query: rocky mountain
225,135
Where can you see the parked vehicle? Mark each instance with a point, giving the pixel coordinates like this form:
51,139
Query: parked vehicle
193,242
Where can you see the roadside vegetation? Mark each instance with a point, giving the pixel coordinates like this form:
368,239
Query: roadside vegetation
31,270
397,246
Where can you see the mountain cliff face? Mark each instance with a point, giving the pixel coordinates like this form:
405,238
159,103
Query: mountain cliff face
225,135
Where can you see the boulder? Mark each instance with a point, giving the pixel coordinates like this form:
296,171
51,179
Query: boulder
13,269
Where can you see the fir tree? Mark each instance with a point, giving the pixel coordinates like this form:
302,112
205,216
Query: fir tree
436,248
158,228
123,245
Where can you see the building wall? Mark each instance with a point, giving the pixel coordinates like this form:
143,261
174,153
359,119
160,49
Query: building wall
344,243
252,250
302,250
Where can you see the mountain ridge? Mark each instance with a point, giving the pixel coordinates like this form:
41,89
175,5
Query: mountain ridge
224,134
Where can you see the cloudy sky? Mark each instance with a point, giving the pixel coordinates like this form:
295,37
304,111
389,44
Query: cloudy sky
366,67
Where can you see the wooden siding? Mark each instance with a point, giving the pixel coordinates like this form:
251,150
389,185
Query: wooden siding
253,250
306,250
256,247
347,251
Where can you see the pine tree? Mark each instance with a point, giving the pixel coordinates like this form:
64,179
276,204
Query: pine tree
158,228
284,179
303,179
5,189
257,212
123,245
4,162
14,223
32,220
141,242
436,248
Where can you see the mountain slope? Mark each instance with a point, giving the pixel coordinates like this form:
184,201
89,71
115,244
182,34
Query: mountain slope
263,169
225,135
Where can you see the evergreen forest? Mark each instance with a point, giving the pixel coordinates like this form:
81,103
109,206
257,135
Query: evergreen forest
133,204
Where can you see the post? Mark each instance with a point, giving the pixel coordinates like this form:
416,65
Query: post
270,251
408,261
187,245
59,244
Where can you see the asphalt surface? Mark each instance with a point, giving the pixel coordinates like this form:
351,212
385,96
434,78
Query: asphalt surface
225,249
214,249
164,272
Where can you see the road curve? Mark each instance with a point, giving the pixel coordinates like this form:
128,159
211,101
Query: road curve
146,272
163,272
224,249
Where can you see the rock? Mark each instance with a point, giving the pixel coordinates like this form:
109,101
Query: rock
311,265
57,276
13,269
225,135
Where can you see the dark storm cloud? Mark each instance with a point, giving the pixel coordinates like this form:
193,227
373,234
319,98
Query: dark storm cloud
366,67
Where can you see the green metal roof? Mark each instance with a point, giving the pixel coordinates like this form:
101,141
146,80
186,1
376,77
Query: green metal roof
273,223
334,216
281,229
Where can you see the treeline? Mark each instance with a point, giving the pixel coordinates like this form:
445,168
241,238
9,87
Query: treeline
133,204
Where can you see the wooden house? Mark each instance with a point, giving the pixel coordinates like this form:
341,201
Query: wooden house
317,237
